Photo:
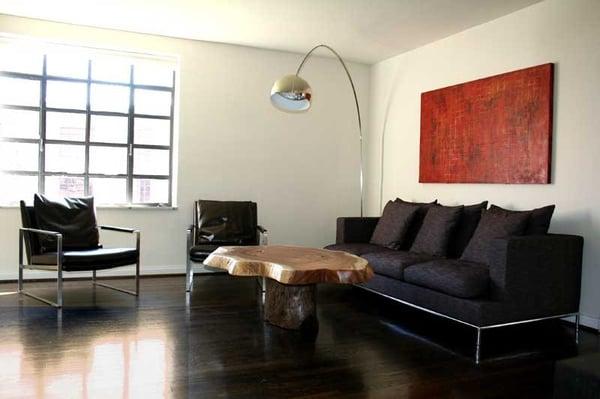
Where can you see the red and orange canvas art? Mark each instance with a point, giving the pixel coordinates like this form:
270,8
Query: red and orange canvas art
492,130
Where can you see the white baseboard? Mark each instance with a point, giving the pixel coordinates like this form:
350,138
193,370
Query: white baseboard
120,271
584,320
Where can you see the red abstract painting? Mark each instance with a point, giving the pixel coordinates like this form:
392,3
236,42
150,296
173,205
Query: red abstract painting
492,130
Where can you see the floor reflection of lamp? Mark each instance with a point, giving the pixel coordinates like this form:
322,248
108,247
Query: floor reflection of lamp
291,93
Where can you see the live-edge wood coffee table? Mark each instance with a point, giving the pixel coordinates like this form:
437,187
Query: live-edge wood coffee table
292,275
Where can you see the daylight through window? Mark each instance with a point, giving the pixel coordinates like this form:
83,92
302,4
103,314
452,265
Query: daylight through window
75,122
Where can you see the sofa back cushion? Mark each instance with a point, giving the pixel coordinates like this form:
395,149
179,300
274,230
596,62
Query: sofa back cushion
415,226
392,227
493,225
538,221
74,218
465,228
437,228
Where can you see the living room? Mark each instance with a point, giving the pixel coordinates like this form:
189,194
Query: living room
225,140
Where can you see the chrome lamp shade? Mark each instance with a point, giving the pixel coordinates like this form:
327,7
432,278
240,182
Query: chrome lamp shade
291,93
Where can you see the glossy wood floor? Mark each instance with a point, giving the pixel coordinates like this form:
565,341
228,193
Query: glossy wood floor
106,344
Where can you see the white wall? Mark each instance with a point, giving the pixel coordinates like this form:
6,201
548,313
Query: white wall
564,32
302,170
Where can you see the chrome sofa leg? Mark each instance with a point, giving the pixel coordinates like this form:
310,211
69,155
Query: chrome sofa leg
20,281
478,346
577,328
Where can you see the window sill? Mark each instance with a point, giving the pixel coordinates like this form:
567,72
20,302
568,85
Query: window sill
111,207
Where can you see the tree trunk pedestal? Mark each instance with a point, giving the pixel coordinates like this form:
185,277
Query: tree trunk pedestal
292,307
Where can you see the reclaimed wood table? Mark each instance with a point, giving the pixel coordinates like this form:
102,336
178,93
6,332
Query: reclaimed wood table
292,274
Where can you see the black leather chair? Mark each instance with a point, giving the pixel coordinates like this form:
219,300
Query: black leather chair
61,260
220,223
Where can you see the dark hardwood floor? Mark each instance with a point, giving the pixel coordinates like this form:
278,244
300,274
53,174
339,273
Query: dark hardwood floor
106,344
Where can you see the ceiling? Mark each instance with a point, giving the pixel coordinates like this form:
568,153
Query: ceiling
360,30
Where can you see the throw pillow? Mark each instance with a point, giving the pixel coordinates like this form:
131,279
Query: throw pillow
393,224
415,226
436,230
491,226
74,218
539,218
465,228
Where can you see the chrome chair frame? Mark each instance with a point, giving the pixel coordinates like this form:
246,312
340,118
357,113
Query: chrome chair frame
189,264
58,267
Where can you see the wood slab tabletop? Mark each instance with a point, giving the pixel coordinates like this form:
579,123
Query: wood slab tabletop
291,264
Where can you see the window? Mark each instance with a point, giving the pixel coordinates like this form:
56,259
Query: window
77,122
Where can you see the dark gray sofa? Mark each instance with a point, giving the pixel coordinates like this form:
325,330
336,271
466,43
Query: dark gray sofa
524,278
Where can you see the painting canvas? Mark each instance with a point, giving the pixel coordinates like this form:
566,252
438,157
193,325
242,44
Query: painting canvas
492,130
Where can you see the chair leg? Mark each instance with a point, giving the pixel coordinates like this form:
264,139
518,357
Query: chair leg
59,288
20,281
189,275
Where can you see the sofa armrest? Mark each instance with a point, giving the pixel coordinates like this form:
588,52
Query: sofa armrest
355,229
540,273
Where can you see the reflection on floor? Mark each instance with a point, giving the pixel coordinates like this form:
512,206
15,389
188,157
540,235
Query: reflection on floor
105,344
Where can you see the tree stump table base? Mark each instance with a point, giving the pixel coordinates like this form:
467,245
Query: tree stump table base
292,307
291,274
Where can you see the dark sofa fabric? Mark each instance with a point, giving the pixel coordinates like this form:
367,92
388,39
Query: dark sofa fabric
393,225
414,228
357,248
465,228
517,278
436,230
455,277
538,221
393,263
491,226
355,229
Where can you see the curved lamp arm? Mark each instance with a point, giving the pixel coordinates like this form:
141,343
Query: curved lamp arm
360,136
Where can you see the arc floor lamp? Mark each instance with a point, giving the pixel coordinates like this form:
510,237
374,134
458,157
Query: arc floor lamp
291,93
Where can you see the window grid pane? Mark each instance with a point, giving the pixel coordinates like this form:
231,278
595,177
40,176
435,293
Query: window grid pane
74,169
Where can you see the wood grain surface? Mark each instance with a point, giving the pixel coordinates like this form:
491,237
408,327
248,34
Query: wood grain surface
291,264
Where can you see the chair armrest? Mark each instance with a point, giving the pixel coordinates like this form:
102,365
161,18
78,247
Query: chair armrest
355,229
39,231
118,229
540,273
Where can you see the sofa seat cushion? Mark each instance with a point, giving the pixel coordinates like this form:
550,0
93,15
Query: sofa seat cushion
392,263
454,277
91,259
357,248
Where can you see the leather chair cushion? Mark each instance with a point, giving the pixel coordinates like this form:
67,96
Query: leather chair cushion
455,277
74,218
393,263
91,259
221,222
198,253
357,248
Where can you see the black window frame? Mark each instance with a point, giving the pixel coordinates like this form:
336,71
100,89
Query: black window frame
42,141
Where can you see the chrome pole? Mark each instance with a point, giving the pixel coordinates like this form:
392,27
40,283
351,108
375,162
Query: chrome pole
360,135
